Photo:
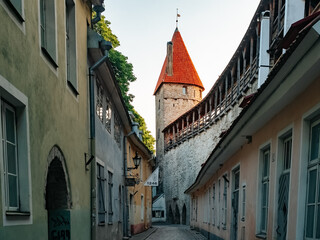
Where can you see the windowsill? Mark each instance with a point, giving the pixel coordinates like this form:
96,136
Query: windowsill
243,219
73,89
110,223
101,224
15,11
17,213
48,57
261,236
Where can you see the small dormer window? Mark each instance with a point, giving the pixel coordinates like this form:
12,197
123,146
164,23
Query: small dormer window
184,90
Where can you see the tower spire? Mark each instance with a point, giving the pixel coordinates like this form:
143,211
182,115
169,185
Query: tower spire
177,19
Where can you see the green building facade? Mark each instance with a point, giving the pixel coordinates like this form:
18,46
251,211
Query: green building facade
44,184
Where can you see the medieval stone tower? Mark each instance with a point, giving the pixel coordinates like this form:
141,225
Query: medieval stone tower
178,89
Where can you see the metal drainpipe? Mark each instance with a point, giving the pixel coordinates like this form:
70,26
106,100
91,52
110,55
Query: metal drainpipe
125,202
92,142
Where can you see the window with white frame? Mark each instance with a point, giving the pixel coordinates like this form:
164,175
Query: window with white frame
243,215
142,208
103,107
11,167
287,148
117,129
108,112
312,219
209,206
101,194
16,8
14,166
48,30
264,191
224,206
184,90
110,197
99,101
213,204
71,46
219,204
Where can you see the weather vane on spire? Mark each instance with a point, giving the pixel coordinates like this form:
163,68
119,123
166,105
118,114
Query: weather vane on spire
177,20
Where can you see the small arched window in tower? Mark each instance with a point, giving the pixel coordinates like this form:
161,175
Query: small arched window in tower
184,90
194,93
200,93
159,105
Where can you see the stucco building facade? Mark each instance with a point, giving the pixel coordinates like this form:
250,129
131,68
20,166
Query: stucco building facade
44,119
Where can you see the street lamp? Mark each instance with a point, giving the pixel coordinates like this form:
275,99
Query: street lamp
136,160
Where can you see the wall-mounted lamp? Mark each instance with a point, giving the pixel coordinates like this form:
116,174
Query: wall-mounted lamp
136,160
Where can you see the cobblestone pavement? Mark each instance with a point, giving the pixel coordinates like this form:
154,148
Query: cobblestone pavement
175,232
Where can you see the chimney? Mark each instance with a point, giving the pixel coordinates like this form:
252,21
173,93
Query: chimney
169,69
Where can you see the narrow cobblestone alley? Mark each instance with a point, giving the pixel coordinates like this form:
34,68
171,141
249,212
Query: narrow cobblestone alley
171,232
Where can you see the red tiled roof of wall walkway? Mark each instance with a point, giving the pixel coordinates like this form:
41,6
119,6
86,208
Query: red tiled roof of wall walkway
184,71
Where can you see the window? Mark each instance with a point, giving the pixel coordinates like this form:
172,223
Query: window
224,206
120,204
117,130
108,112
243,215
184,90
213,204
312,221
48,30
110,197
219,204
101,194
158,214
142,208
71,46
9,145
14,164
103,107
264,190
99,102
16,7
287,147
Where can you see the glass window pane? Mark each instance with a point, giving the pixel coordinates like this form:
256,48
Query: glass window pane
266,164
264,194
11,155
13,196
263,219
318,223
310,221
312,186
315,137
10,126
17,4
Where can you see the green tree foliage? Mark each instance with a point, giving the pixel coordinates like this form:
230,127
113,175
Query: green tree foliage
124,75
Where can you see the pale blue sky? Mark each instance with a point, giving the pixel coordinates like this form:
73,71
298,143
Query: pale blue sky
211,30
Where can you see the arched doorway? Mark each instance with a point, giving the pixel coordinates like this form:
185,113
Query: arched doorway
184,215
57,196
170,216
177,215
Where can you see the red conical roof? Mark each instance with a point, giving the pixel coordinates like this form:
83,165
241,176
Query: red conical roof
183,70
